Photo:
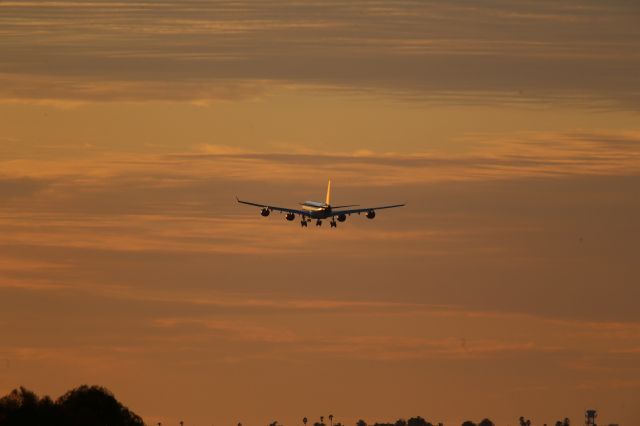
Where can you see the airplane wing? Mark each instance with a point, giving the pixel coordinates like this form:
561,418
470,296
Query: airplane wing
278,209
365,210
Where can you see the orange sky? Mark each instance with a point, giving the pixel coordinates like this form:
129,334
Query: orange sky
506,287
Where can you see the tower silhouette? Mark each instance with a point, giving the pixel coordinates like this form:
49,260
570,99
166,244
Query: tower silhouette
590,418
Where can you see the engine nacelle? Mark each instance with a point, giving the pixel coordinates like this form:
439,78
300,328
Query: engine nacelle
342,217
371,214
290,216
265,212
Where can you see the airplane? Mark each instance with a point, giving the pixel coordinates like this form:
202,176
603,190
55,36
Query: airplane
319,211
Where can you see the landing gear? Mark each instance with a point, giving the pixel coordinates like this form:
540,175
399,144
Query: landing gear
334,224
303,223
318,222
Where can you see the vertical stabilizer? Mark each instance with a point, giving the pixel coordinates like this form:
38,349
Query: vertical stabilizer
328,200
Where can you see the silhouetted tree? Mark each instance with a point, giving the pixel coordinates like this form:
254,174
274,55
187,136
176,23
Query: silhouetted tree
469,423
95,405
361,423
331,419
564,422
400,422
22,407
84,406
305,420
418,421
486,422
524,422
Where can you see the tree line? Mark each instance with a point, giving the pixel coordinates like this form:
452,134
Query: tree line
96,406
419,421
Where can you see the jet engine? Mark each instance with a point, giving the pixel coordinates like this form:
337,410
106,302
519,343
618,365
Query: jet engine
371,214
342,217
290,216
265,212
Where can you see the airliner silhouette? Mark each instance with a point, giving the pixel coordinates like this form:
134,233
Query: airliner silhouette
319,211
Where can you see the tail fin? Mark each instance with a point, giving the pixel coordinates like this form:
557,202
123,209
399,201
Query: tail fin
328,199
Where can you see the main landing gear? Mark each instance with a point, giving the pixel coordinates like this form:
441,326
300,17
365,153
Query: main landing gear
304,223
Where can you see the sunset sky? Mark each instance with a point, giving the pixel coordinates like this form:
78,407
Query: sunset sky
508,286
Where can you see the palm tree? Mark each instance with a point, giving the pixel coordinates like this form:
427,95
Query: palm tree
331,419
305,420
322,419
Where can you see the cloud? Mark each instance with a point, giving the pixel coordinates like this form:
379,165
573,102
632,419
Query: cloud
516,53
75,91
394,348
183,202
20,187
491,157
376,347
30,283
235,329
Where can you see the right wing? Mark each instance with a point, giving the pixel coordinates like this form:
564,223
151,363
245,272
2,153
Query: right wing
278,209
365,210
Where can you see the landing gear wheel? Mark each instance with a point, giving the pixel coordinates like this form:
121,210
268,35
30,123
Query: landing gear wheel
303,223
318,222
334,224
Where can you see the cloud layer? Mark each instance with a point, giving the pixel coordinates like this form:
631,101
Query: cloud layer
513,52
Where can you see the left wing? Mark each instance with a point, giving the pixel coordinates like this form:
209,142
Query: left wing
279,209
365,210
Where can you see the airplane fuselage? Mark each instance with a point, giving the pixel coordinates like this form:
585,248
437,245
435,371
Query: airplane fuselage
314,206
317,210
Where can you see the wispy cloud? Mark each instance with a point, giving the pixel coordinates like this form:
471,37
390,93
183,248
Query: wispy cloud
20,187
157,203
491,156
519,52
383,348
